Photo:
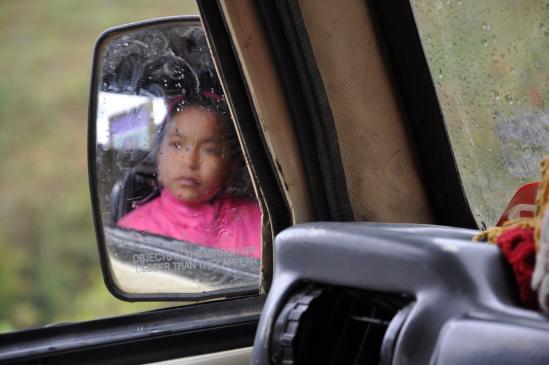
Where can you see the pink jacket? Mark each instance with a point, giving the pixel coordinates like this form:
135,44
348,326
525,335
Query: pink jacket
227,223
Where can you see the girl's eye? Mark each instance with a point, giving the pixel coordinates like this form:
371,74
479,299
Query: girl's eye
212,150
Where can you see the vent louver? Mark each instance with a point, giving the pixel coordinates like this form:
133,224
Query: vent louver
337,326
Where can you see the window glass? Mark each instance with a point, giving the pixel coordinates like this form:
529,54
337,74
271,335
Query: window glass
489,61
50,271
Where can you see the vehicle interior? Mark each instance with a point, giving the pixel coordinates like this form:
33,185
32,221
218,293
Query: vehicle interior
370,199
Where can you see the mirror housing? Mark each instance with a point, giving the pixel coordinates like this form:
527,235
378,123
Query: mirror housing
143,75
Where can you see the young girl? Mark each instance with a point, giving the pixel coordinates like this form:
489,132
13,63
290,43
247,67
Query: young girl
197,156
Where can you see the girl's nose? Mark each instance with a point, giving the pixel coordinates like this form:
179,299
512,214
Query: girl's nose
190,156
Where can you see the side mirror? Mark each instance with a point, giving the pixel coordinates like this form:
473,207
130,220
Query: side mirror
175,213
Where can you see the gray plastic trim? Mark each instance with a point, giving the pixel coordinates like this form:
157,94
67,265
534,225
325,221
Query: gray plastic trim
449,276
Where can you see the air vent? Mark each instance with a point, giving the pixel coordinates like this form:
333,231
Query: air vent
337,326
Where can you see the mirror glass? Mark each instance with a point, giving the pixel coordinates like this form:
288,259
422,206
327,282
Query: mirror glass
174,202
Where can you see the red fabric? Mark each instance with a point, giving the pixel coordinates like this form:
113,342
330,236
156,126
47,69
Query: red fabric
518,247
522,205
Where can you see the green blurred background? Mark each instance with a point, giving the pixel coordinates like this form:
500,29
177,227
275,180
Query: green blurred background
50,271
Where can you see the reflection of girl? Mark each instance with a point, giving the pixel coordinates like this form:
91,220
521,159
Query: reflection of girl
197,156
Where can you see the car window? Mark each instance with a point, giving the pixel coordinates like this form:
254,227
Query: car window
489,61
50,271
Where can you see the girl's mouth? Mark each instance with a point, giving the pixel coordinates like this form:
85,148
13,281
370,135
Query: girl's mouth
187,181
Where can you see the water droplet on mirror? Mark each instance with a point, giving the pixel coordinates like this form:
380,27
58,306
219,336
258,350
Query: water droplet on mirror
484,42
509,100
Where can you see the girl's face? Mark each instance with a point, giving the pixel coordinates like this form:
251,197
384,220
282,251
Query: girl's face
191,160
